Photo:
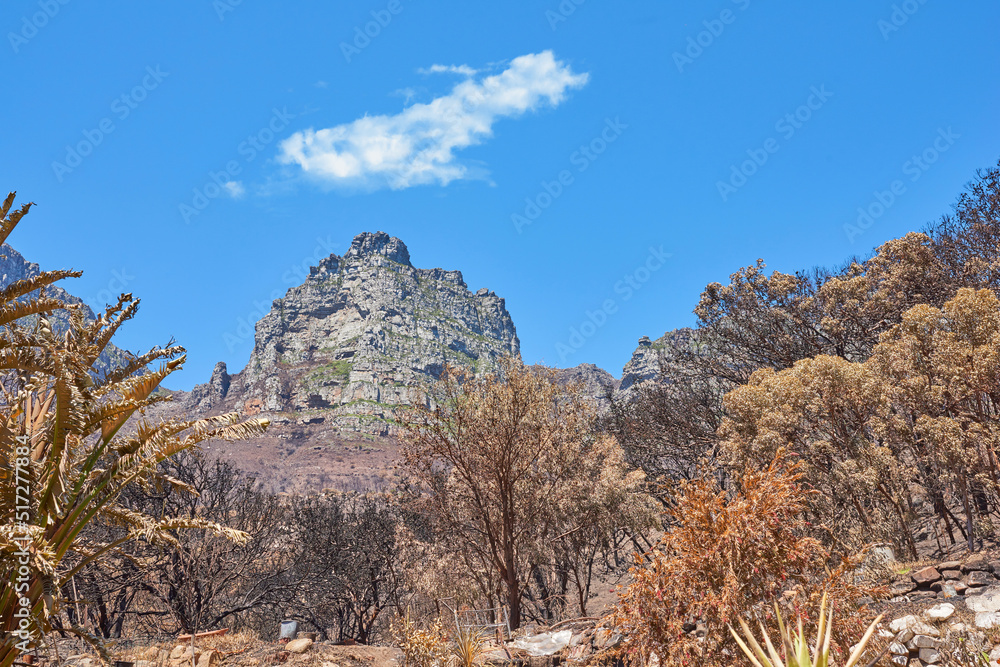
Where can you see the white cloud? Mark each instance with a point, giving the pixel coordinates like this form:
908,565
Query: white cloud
235,189
464,70
321,84
417,146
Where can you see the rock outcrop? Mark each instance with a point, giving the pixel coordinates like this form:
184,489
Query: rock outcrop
363,336
594,382
655,360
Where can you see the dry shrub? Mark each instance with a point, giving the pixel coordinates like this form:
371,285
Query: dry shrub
422,647
229,643
729,556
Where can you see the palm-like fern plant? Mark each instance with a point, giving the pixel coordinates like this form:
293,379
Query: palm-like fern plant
64,457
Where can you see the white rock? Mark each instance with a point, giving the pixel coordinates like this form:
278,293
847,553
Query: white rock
929,656
987,601
903,623
896,648
987,619
940,612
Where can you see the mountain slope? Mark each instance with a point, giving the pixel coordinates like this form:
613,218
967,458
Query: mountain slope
362,337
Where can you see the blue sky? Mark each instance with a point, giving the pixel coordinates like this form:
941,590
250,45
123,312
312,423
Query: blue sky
591,162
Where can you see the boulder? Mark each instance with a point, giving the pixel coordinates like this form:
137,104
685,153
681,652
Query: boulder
929,656
913,624
980,578
925,577
923,641
948,591
300,645
976,563
987,601
940,612
950,565
895,648
209,659
987,619
952,574
901,588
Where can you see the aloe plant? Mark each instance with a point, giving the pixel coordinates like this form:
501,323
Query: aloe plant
64,457
795,643
468,647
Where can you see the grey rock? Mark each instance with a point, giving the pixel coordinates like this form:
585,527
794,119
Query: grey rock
656,360
364,336
976,562
902,587
988,601
930,656
595,384
979,578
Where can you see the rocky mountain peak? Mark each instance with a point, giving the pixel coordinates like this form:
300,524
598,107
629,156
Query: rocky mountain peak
362,338
379,243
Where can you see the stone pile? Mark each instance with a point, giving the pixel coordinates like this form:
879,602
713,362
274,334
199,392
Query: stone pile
948,579
181,655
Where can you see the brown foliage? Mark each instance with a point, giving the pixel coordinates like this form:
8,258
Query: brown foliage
728,556
508,469
923,407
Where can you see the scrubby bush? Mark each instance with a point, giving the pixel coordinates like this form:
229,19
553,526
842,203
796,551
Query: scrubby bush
726,556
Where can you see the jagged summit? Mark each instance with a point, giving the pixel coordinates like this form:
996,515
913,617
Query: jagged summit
379,243
363,336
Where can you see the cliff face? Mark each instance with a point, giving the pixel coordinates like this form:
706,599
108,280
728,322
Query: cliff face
362,335
657,360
